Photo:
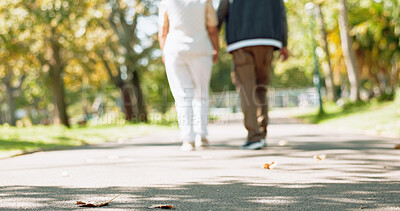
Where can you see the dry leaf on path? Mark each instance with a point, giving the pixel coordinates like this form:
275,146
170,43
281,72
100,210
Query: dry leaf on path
397,146
161,206
84,204
270,165
65,174
320,157
282,143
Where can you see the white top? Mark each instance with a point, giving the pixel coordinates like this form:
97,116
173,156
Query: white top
187,21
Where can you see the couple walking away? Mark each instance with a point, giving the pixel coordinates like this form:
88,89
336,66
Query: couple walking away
188,34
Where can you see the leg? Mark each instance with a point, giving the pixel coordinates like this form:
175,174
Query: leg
200,68
182,89
244,78
263,57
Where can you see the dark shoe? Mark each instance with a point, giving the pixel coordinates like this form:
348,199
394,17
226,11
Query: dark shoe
253,145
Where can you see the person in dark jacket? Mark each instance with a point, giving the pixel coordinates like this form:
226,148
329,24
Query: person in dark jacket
254,30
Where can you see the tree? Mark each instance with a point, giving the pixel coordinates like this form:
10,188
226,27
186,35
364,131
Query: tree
51,20
11,93
57,27
327,66
348,52
130,52
376,40
13,47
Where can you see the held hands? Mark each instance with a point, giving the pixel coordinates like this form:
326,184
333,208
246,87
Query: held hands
215,56
284,53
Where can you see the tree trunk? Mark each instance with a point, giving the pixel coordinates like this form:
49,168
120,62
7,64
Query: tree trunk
56,115
348,52
327,66
383,79
127,99
133,100
10,98
2,120
127,38
11,103
140,102
394,76
128,93
57,82
57,89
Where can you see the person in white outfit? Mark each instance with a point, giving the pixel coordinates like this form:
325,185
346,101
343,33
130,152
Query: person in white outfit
188,35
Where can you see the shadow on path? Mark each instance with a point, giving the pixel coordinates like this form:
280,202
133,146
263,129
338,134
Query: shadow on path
230,195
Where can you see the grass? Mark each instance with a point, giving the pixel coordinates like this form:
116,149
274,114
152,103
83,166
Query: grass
15,140
382,118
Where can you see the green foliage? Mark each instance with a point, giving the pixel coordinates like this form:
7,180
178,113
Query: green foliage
158,93
221,73
375,117
15,141
293,77
96,44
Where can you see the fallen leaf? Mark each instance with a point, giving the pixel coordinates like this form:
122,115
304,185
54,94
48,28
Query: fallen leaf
270,165
65,174
397,146
282,143
362,207
161,206
320,157
84,204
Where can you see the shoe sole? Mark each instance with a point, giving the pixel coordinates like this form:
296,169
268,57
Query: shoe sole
202,146
255,146
187,150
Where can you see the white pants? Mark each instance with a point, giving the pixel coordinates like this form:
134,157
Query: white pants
189,80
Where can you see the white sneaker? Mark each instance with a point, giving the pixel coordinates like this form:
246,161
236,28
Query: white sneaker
254,145
187,146
264,142
202,143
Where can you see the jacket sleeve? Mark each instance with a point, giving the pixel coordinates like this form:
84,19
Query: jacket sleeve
222,12
285,25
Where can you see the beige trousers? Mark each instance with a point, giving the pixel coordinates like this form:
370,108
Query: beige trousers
251,75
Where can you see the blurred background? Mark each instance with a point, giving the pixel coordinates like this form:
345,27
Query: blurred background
93,62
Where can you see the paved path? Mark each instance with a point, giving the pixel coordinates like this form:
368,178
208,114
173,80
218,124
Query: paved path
358,171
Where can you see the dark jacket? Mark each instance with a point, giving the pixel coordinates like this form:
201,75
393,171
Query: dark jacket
253,22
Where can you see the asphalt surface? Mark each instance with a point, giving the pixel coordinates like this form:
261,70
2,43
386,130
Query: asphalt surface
358,172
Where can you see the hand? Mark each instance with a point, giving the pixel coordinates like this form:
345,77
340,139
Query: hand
163,58
215,56
284,53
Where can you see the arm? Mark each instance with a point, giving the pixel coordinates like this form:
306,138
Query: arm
212,28
284,50
213,33
163,28
222,12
